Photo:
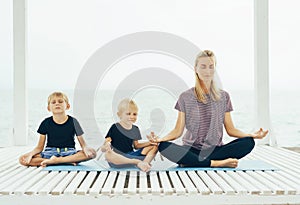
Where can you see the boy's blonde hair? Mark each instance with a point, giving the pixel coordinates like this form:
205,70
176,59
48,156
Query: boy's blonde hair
58,94
127,104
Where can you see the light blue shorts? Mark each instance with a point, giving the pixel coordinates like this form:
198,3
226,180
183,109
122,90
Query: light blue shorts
137,154
58,152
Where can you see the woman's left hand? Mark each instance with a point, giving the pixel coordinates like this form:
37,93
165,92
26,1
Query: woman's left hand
259,134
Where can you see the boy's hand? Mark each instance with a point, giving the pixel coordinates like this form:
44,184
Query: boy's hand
90,152
153,139
105,147
25,159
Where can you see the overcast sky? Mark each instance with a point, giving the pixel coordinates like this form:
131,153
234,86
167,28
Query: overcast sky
64,34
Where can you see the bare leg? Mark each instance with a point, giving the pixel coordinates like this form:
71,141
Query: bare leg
118,159
230,162
150,153
72,159
35,160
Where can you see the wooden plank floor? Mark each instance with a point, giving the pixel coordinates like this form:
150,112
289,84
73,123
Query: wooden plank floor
270,187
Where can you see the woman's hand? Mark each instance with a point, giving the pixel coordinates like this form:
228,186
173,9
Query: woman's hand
259,134
153,139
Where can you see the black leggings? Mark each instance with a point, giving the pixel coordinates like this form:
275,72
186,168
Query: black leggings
191,157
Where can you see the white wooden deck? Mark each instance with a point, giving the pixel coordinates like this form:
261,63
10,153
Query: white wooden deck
30,185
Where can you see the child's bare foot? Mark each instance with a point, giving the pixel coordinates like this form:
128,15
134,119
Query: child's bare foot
54,160
230,162
144,166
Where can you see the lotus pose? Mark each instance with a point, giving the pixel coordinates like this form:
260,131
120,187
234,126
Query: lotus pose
59,131
203,110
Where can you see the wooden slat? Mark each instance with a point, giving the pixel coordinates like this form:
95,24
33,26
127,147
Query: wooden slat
86,184
108,186
99,183
59,189
13,186
132,183
119,188
51,185
29,181
214,188
12,180
11,173
252,189
166,185
202,188
155,188
43,182
72,187
178,186
285,178
262,188
188,184
227,189
143,184
278,187
238,188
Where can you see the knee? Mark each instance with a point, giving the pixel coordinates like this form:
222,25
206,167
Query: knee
249,143
162,146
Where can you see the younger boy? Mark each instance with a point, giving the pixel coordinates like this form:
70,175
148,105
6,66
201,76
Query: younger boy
59,131
123,136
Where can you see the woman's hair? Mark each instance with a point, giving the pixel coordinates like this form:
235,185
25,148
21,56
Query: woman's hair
199,86
127,104
58,94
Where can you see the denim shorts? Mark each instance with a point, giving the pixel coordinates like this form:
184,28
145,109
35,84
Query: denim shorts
58,152
137,154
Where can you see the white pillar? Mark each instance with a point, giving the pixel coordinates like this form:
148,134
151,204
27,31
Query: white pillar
261,69
20,118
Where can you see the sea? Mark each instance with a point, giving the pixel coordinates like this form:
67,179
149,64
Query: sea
156,113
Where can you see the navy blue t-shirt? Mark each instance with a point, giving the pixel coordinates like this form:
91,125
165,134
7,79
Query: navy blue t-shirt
60,135
122,139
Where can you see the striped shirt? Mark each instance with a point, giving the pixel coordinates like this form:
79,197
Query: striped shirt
203,122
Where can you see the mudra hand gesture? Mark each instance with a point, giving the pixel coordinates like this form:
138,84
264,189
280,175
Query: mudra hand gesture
153,139
259,134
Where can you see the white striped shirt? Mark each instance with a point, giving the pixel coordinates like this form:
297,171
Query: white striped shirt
204,122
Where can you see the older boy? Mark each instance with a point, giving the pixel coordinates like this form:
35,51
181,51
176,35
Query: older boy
59,131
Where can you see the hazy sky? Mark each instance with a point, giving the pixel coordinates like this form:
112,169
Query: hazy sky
64,34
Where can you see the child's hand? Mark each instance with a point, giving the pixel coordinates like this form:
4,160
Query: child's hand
25,159
90,152
105,147
153,139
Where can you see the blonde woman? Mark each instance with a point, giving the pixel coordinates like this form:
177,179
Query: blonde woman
203,110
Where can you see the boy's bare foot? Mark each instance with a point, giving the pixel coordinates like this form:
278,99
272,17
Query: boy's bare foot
230,162
54,160
144,166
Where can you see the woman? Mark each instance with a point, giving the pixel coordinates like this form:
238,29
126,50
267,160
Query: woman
203,110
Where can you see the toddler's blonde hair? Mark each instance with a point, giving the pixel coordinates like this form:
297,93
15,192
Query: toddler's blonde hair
126,104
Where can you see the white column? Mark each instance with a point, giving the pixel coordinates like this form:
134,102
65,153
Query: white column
20,87
261,67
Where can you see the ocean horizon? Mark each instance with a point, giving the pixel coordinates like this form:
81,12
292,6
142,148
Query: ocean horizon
156,113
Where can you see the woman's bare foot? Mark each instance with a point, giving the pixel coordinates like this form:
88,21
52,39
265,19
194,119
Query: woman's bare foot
230,162
144,166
